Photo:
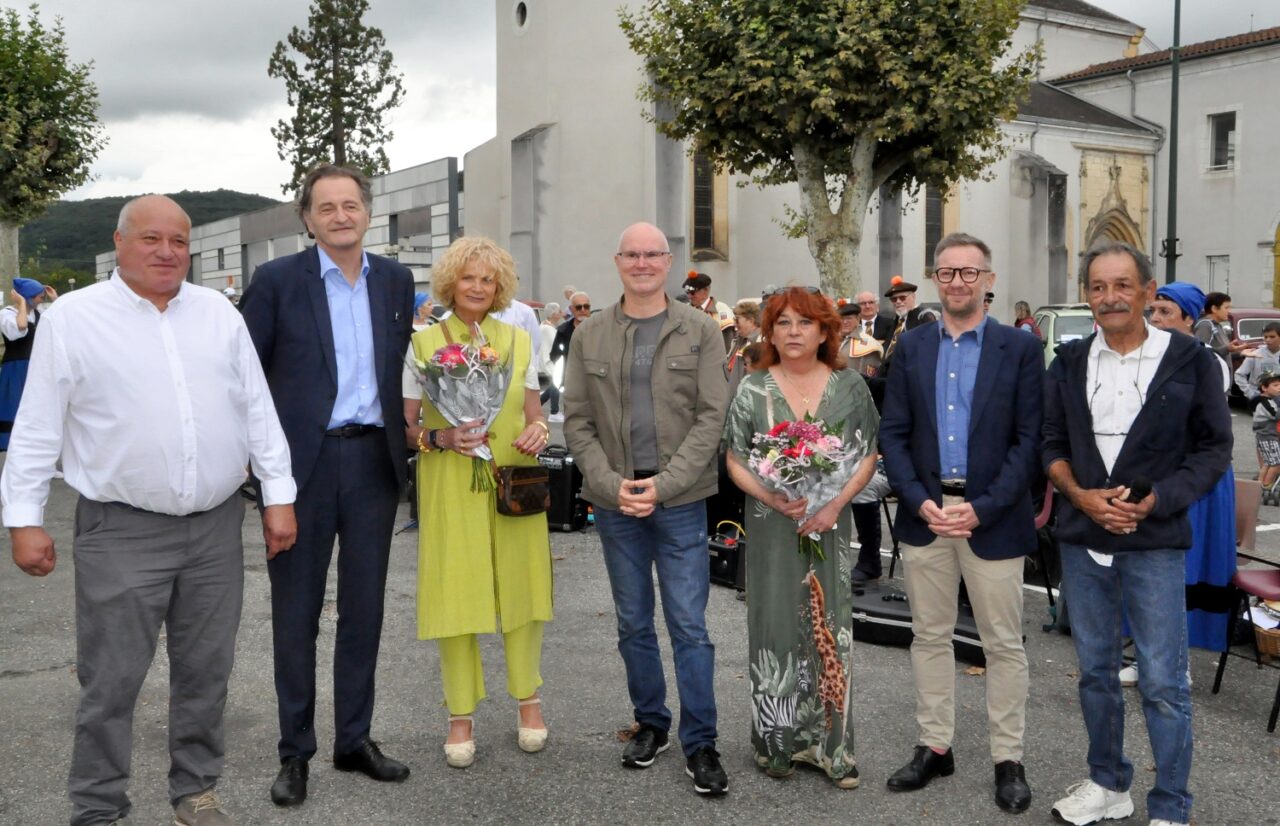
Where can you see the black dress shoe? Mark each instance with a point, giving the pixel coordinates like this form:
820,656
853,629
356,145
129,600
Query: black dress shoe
290,788
1012,792
369,760
925,765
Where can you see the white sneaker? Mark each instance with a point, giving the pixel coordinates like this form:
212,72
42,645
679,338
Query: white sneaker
1165,823
1129,676
1087,802
555,417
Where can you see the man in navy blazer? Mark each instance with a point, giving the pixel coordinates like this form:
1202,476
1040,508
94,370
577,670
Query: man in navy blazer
960,436
331,325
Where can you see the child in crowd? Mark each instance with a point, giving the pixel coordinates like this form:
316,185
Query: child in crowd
1266,427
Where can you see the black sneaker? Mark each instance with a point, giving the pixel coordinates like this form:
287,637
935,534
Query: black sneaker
708,776
644,748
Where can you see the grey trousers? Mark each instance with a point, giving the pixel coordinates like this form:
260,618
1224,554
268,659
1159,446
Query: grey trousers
134,571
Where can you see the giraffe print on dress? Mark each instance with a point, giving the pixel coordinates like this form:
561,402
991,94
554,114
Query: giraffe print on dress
831,682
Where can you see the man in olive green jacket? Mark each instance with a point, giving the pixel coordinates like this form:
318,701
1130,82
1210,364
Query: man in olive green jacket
644,402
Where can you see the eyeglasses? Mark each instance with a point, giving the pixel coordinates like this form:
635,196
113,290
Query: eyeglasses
692,290
968,275
633,256
581,306
868,303
898,298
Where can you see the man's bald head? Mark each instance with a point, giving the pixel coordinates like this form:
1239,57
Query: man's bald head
127,211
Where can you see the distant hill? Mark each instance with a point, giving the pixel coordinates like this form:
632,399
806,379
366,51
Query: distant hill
72,232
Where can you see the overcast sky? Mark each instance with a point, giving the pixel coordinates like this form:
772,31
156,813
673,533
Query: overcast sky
188,105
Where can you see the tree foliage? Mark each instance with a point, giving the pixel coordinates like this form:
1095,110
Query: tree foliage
839,96
49,130
340,86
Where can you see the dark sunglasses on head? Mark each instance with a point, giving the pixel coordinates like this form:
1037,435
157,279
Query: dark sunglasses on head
784,290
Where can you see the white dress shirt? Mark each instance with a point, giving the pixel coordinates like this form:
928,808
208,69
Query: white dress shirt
158,410
1117,386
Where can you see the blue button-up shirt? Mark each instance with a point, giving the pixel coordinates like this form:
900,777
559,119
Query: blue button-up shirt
357,401
957,370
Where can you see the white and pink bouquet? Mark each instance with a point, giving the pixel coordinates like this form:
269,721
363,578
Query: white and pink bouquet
805,460
467,382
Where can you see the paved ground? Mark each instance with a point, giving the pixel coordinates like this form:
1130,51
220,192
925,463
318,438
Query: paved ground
578,778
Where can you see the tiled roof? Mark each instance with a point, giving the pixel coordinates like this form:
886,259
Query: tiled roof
1044,102
1207,48
1078,7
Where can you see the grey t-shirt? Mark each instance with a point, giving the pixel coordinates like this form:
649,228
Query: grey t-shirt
644,434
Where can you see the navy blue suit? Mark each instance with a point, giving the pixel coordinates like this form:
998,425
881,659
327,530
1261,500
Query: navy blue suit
1004,438
348,488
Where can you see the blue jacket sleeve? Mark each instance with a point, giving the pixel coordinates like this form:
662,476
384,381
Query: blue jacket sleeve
896,425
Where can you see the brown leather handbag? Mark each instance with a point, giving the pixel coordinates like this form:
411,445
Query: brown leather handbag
522,490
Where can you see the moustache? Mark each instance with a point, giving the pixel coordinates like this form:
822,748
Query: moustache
1117,307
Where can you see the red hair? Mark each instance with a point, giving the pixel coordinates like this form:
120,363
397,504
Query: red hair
811,305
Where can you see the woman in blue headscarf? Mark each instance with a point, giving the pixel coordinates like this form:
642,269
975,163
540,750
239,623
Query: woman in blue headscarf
18,326
1211,559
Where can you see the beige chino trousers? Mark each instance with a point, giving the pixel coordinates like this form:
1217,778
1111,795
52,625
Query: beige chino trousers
933,575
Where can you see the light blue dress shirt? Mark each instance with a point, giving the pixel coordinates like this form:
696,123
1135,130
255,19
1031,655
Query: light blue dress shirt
956,373
357,401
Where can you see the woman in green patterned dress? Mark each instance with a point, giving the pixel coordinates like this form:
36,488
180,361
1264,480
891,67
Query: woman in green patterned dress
799,611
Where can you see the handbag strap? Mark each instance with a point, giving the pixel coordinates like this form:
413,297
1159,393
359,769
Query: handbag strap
768,406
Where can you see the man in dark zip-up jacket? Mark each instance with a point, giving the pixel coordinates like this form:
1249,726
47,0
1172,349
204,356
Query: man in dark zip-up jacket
1136,428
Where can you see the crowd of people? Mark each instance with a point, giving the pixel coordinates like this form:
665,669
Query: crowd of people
153,396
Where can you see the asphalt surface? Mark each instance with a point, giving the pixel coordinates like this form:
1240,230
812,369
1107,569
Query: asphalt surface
578,779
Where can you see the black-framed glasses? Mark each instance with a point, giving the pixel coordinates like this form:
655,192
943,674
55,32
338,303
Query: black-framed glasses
632,256
899,297
968,275
692,290
581,306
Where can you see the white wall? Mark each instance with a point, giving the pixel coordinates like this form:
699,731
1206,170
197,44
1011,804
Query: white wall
1231,213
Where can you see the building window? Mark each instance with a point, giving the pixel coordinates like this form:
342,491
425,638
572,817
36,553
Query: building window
222,258
932,223
1222,141
710,228
1219,267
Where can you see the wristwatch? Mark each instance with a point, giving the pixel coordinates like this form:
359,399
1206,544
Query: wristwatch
431,439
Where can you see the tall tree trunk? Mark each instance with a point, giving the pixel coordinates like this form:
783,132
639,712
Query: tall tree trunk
8,254
835,234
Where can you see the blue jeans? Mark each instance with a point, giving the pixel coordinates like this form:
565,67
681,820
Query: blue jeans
1148,586
675,540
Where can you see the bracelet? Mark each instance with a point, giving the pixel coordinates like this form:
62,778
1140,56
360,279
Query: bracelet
542,424
421,447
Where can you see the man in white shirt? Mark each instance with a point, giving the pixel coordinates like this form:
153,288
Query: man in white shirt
1136,429
551,317
150,391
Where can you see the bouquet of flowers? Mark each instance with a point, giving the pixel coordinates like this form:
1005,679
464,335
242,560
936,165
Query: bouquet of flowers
805,460
467,382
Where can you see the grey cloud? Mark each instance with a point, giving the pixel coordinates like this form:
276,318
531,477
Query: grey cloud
210,59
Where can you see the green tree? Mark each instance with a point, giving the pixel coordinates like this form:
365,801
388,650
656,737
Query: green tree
341,87
49,130
839,96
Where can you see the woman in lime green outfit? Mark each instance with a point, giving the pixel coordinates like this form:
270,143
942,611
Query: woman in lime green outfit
479,571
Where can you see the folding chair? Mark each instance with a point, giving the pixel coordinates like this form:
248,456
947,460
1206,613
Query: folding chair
1261,583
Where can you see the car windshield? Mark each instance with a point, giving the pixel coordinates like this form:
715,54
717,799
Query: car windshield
1072,327
1252,327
